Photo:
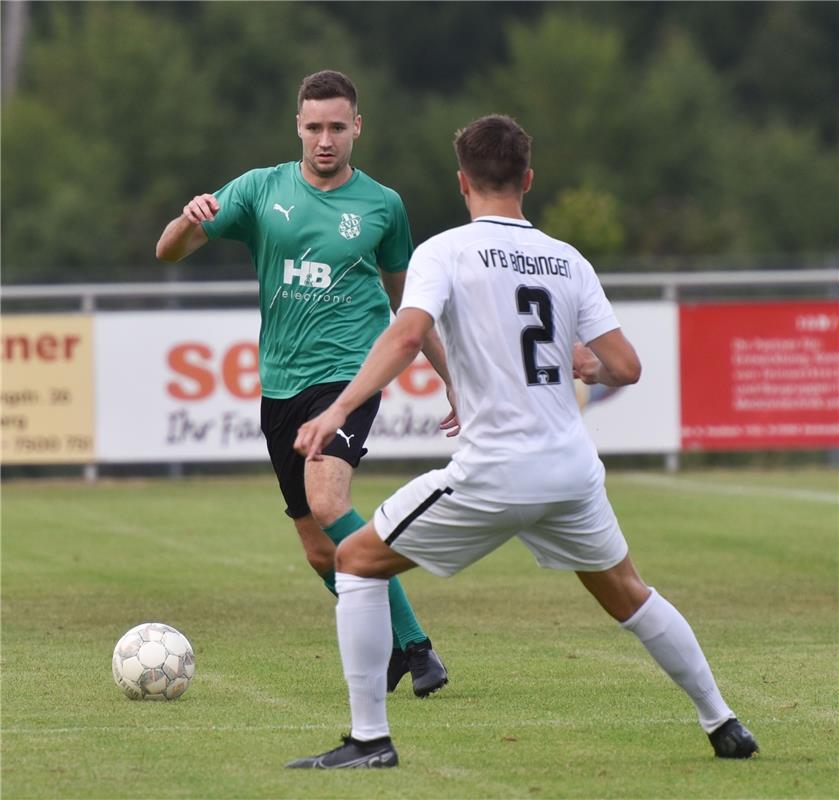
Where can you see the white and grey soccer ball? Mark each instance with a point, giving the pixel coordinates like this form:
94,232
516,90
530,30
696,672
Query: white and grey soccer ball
153,661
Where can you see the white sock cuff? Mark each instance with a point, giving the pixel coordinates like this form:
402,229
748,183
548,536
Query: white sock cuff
346,583
638,622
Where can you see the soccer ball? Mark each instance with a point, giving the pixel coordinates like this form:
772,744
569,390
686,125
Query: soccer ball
153,661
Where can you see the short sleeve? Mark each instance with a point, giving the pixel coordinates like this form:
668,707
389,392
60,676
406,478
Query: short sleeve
428,283
394,250
595,316
234,218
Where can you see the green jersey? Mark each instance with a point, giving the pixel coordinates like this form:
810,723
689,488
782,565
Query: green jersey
317,256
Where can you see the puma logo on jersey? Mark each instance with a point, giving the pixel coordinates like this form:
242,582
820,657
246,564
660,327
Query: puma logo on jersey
278,207
344,436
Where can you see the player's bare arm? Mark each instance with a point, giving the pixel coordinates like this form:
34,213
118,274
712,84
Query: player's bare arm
184,234
609,359
394,285
432,348
392,352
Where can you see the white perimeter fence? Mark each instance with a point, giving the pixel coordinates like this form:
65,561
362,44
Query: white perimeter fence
732,361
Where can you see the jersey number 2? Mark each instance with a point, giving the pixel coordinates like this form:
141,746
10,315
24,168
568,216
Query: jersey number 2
526,298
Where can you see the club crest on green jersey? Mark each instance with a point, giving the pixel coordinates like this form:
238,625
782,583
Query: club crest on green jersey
350,226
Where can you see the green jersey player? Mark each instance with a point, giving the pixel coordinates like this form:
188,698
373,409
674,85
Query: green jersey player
330,246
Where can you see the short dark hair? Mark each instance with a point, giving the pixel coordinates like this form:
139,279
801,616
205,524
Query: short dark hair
494,152
325,85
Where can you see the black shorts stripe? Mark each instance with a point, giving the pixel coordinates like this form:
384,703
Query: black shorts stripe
420,509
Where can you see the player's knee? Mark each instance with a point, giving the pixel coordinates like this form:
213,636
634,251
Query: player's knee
321,559
628,597
349,557
326,509
637,594
344,556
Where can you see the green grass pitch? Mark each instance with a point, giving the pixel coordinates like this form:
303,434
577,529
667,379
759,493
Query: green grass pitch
548,697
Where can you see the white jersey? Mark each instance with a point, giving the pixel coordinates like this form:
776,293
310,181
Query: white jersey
510,302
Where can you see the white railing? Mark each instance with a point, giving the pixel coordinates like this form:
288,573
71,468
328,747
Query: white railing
669,284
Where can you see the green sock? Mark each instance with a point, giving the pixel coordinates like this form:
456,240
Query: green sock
406,627
329,581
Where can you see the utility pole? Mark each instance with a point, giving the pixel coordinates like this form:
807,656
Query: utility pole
15,23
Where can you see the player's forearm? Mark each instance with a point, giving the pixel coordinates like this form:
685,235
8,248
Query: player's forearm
605,376
610,358
621,374
177,240
594,371
433,350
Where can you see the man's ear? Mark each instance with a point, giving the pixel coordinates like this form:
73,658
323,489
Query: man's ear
527,181
463,181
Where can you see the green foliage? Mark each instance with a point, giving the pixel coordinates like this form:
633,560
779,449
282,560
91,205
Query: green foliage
712,127
109,125
785,187
566,83
681,120
57,216
587,217
788,68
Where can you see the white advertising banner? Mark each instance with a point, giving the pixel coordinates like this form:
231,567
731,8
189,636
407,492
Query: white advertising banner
644,418
184,386
177,386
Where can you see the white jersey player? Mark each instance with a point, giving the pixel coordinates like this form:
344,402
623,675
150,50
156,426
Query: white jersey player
510,302
513,306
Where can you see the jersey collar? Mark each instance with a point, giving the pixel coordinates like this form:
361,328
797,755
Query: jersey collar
298,174
510,222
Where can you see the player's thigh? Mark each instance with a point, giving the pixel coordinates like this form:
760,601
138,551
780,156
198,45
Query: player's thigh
348,443
439,528
280,420
328,481
579,535
327,485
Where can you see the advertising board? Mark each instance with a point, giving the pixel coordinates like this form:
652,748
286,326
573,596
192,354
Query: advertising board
760,375
183,386
47,392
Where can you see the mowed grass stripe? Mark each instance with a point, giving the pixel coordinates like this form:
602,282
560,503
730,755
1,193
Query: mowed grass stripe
737,490
429,725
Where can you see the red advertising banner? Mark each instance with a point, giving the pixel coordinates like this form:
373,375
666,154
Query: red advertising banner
760,375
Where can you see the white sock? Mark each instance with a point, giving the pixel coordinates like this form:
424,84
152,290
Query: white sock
366,640
670,641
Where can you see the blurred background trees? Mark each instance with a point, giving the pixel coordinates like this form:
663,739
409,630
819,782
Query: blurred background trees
665,133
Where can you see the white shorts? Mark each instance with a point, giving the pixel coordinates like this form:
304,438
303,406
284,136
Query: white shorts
444,531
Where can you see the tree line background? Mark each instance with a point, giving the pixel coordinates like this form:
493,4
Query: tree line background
666,135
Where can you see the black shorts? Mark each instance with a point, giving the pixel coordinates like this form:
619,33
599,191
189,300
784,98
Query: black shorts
280,421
